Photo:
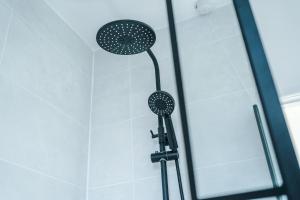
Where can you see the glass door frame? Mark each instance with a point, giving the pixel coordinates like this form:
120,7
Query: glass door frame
281,140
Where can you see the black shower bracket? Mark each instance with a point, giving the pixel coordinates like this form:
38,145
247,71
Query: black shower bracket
167,156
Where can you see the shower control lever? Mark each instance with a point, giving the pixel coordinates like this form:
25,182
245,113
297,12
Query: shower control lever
153,135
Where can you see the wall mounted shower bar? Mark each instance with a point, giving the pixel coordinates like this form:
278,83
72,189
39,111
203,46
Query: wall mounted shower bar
161,132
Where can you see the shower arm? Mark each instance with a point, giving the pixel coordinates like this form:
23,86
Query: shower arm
158,88
156,68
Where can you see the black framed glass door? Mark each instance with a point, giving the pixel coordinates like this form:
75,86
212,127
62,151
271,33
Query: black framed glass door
231,116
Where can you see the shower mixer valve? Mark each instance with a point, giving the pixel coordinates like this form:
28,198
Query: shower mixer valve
164,155
163,139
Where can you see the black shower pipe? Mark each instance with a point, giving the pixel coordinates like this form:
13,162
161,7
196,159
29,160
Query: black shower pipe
156,68
161,133
181,99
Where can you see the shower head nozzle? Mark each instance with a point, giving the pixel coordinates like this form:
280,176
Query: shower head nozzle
126,37
161,103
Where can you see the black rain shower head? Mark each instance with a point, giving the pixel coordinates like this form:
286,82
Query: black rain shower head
161,103
126,37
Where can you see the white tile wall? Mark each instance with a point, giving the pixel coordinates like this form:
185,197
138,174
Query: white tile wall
111,109
40,17
239,176
112,156
224,23
39,137
162,46
199,30
120,192
208,73
228,136
109,64
279,34
113,85
143,146
49,75
19,183
150,188
8,3
111,89
45,88
236,53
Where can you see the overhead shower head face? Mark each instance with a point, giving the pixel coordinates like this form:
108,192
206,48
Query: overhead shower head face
126,37
161,103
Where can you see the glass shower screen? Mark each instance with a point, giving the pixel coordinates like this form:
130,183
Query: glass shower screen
229,138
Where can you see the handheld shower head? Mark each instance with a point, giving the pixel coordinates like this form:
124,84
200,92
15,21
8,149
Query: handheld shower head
161,103
126,37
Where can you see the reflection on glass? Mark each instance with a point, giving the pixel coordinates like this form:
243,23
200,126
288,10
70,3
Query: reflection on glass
220,92
292,113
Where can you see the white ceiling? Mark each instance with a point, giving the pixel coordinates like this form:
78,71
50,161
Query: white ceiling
85,17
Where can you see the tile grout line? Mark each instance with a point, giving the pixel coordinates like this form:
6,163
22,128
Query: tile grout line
45,39
48,103
90,129
188,103
220,96
27,90
39,173
237,74
246,88
127,182
37,96
109,185
58,14
41,99
233,67
259,157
